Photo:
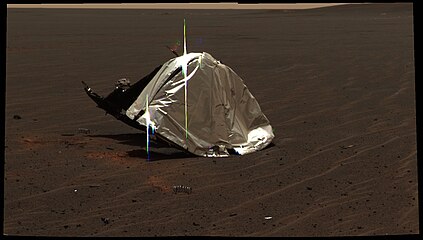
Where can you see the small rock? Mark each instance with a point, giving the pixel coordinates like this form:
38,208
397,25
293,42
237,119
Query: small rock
17,117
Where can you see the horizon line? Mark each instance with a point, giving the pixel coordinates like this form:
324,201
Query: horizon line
179,5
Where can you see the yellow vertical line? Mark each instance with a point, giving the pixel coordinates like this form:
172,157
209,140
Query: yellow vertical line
185,84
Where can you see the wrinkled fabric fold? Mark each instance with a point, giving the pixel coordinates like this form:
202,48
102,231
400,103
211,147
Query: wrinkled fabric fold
222,112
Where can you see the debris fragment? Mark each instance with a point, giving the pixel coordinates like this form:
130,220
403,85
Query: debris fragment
17,117
84,130
267,217
182,188
346,147
123,83
105,220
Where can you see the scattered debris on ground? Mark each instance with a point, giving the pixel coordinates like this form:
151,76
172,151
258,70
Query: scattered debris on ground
84,130
182,188
105,220
346,147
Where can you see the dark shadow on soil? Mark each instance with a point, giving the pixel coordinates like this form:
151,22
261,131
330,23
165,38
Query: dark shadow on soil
158,150
158,154
268,146
131,139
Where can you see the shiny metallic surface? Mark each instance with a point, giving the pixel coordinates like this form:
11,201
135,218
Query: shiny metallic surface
223,114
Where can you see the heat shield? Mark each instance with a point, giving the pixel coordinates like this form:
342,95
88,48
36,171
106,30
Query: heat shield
221,114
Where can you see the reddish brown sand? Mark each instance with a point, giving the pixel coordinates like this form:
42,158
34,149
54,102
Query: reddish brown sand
336,83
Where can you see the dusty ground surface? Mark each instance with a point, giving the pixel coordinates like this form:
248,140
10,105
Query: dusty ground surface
337,85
